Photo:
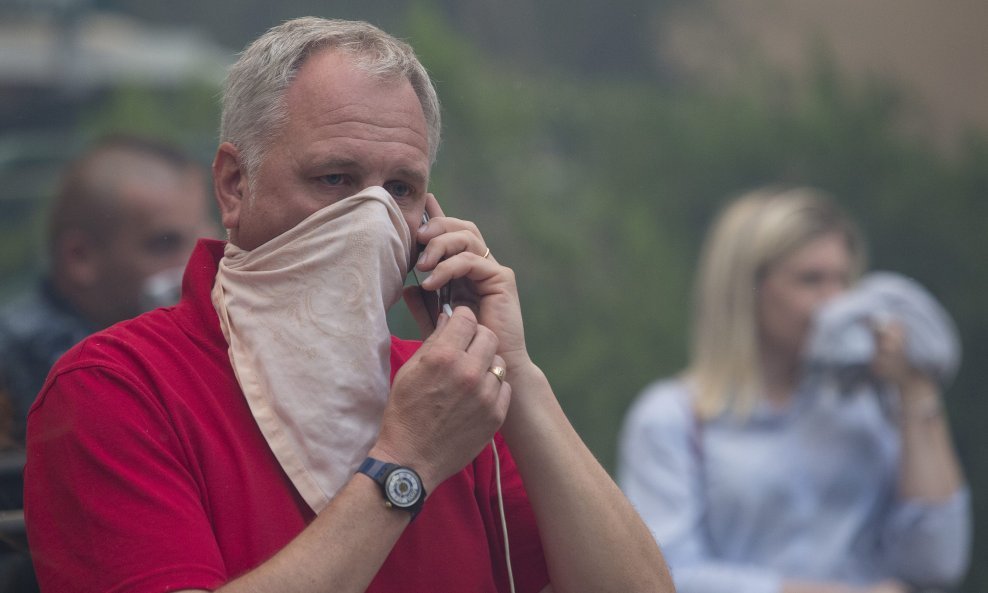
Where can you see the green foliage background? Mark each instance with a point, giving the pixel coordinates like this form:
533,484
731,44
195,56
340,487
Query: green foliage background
597,187
598,193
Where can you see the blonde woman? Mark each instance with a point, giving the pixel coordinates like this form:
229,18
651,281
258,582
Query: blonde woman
753,481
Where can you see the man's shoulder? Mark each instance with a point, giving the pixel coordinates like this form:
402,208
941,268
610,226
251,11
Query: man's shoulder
150,358
142,341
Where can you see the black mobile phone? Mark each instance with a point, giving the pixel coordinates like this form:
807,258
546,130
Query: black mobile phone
444,294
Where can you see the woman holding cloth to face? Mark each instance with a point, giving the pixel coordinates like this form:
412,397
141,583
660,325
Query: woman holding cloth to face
760,471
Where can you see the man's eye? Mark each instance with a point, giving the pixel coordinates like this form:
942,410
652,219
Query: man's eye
163,243
334,179
398,189
810,278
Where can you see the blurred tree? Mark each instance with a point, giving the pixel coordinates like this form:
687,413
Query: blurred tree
30,164
187,115
598,193
583,36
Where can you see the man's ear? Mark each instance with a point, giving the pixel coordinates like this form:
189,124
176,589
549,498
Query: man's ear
78,258
229,184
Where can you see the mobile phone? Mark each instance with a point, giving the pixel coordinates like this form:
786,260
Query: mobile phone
444,294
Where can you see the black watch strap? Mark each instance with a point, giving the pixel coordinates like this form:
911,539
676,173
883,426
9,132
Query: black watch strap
401,486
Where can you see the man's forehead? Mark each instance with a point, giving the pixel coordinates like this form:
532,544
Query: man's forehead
336,80
115,168
334,104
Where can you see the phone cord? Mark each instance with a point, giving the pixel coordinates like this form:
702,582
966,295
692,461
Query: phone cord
504,521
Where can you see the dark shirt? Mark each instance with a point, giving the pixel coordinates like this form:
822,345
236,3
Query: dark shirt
35,330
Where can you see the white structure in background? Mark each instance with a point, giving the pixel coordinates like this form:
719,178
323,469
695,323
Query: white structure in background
59,58
61,45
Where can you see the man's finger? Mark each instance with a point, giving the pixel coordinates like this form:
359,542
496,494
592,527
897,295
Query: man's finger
463,265
484,344
459,331
432,206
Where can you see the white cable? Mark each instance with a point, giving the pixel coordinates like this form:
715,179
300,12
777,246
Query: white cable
504,521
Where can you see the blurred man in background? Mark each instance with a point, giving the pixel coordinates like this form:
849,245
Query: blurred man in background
124,219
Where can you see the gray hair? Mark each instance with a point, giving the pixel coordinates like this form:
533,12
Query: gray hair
254,107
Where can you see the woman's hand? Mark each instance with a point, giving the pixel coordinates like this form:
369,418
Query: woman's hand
890,362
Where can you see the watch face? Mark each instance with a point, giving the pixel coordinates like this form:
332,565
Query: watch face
403,487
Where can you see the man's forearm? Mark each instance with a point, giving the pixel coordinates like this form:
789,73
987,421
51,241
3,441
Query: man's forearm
341,551
593,539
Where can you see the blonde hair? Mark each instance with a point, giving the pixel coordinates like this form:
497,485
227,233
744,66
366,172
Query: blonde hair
751,234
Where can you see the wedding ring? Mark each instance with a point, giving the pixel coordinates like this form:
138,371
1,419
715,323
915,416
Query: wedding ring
487,253
499,372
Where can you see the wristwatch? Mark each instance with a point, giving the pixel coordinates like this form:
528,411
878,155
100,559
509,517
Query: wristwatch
401,486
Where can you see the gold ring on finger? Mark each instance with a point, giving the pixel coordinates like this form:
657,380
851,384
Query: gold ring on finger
499,372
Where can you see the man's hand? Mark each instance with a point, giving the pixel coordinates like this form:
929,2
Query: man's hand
455,251
445,404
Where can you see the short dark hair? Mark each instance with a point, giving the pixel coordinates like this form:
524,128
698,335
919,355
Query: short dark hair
87,197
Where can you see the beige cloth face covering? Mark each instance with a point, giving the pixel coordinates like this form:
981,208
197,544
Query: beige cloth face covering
304,315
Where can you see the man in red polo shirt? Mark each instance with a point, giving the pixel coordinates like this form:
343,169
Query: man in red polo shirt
267,434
